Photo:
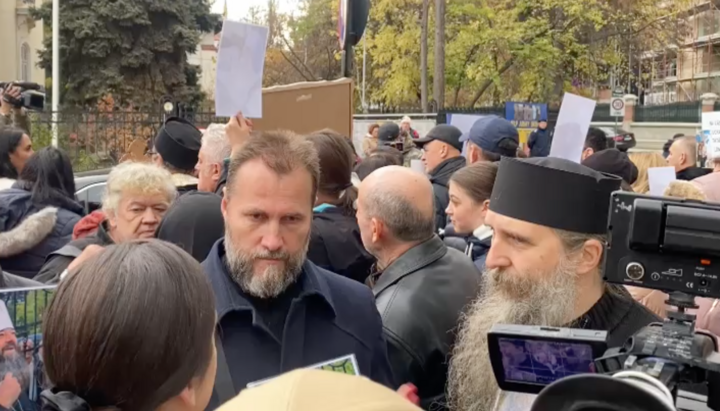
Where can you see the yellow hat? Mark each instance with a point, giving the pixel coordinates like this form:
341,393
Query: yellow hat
317,390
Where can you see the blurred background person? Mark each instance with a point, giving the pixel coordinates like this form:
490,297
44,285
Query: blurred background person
389,135
15,371
15,151
683,156
137,196
406,130
131,301
442,156
370,142
215,148
319,390
643,162
615,162
490,139
177,146
539,141
374,162
710,184
194,223
46,183
335,242
595,142
470,191
666,146
10,115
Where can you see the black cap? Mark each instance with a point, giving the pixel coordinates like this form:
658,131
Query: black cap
388,132
488,132
615,162
555,193
445,133
178,143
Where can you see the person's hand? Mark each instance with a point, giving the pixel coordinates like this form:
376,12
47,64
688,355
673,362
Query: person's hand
238,131
10,391
410,393
11,92
89,252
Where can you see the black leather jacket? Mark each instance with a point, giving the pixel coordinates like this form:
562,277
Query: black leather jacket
420,297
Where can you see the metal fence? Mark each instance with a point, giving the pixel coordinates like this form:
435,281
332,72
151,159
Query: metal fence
682,112
99,139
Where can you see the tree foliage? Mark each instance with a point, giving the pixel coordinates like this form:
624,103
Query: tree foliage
136,51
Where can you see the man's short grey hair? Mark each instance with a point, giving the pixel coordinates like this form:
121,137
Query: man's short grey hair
137,178
215,144
404,221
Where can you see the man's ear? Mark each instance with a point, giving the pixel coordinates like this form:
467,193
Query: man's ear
217,170
377,228
590,256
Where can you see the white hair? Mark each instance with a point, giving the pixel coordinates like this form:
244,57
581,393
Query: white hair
406,119
215,144
140,178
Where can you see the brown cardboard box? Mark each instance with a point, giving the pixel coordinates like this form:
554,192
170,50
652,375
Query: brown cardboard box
307,107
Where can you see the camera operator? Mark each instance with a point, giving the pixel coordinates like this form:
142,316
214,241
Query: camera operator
549,218
11,115
389,135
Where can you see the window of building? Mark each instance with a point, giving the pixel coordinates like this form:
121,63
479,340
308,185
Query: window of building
25,62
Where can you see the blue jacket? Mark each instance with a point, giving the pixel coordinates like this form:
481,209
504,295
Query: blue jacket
331,317
539,143
41,229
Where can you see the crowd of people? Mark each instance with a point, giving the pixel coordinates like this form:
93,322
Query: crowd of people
229,267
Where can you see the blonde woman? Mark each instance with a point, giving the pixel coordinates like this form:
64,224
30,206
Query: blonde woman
644,161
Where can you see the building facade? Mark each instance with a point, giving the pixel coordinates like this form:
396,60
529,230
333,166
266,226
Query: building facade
22,38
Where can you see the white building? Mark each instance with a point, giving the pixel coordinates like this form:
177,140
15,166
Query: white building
20,40
206,57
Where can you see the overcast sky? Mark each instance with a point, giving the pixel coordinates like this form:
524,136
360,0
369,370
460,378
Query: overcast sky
237,9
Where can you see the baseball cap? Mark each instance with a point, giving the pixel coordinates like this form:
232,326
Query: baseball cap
388,132
445,133
487,133
318,390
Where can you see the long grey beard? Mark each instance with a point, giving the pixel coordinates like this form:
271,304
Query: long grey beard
274,280
16,365
506,299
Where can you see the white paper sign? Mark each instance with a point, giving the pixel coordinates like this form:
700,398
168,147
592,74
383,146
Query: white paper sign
572,127
417,165
240,64
711,134
660,178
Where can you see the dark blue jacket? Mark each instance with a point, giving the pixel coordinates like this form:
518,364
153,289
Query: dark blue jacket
16,207
332,317
539,143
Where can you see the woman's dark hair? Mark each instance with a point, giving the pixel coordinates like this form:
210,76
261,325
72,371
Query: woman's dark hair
477,180
374,162
131,327
10,139
336,166
507,147
48,175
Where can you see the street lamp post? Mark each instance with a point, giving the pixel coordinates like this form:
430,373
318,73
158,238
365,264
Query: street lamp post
55,69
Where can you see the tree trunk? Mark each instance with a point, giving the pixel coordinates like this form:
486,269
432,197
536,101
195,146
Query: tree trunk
424,55
439,77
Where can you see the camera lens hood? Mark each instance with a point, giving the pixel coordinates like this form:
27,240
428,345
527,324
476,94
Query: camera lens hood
596,392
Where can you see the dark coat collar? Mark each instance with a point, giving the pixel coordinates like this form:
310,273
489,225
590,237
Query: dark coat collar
416,258
230,297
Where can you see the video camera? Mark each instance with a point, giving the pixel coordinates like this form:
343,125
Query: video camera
31,97
653,242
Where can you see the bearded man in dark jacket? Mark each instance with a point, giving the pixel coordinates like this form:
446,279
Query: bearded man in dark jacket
442,156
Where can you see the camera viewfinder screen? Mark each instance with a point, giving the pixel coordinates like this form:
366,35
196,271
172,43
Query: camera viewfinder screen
543,362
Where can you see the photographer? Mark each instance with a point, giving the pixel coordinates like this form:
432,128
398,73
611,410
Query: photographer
11,115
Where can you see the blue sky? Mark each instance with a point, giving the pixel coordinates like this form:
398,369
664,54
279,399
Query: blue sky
238,8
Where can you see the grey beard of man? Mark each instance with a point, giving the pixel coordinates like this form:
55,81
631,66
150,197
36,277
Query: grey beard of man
15,364
506,299
274,280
